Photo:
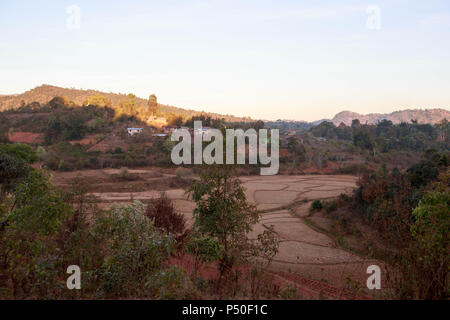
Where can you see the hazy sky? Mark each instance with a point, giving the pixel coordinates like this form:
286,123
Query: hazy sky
302,60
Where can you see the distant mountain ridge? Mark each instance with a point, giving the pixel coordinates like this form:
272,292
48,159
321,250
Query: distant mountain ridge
431,116
45,93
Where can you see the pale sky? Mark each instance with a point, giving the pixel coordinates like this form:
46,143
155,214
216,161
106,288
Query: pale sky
299,60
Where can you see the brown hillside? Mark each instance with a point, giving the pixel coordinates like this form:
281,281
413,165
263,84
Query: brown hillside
45,93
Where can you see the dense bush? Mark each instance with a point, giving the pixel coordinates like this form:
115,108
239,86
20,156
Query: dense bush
411,211
316,205
165,217
19,151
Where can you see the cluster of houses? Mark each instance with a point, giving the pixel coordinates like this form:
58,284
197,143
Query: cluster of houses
165,130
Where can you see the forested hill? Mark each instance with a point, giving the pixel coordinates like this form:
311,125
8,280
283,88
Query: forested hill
431,116
45,93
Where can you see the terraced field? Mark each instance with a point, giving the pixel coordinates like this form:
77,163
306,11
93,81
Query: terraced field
308,258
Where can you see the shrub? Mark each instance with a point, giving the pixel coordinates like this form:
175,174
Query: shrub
316,205
330,206
135,250
124,173
162,211
41,152
117,150
19,151
52,162
171,284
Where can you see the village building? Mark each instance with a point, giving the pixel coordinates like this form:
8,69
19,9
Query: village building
133,131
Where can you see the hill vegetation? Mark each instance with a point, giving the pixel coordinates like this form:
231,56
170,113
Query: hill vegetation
76,97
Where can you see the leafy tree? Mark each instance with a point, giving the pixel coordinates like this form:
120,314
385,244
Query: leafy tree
12,171
27,253
3,133
152,105
134,249
431,246
223,213
19,151
356,123
74,126
59,102
38,206
98,100
204,249
162,211
427,169
297,148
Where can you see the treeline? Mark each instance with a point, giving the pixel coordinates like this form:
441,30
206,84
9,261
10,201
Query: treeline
411,211
385,136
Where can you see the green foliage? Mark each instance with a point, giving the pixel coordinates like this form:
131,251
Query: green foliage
134,251
74,127
171,284
223,213
39,207
316,205
330,206
12,170
29,258
19,151
59,102
383,136
431,243
411,211
427,169
121,253
98,100
204,247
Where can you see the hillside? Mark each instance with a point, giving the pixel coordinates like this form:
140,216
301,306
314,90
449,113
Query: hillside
45,93
431,116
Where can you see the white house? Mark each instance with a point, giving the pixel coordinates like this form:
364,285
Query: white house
133,131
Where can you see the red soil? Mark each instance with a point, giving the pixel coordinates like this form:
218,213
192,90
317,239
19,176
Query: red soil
26,137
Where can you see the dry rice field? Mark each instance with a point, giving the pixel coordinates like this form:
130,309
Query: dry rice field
310,259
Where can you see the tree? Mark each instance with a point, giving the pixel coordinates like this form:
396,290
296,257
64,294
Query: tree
128,106
74,126
12,171
424,261
27,231
59,102
223,213
165,217
98,100
3,132
429,259
356,123
152,104
38,206
19,151
297,148
135,250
